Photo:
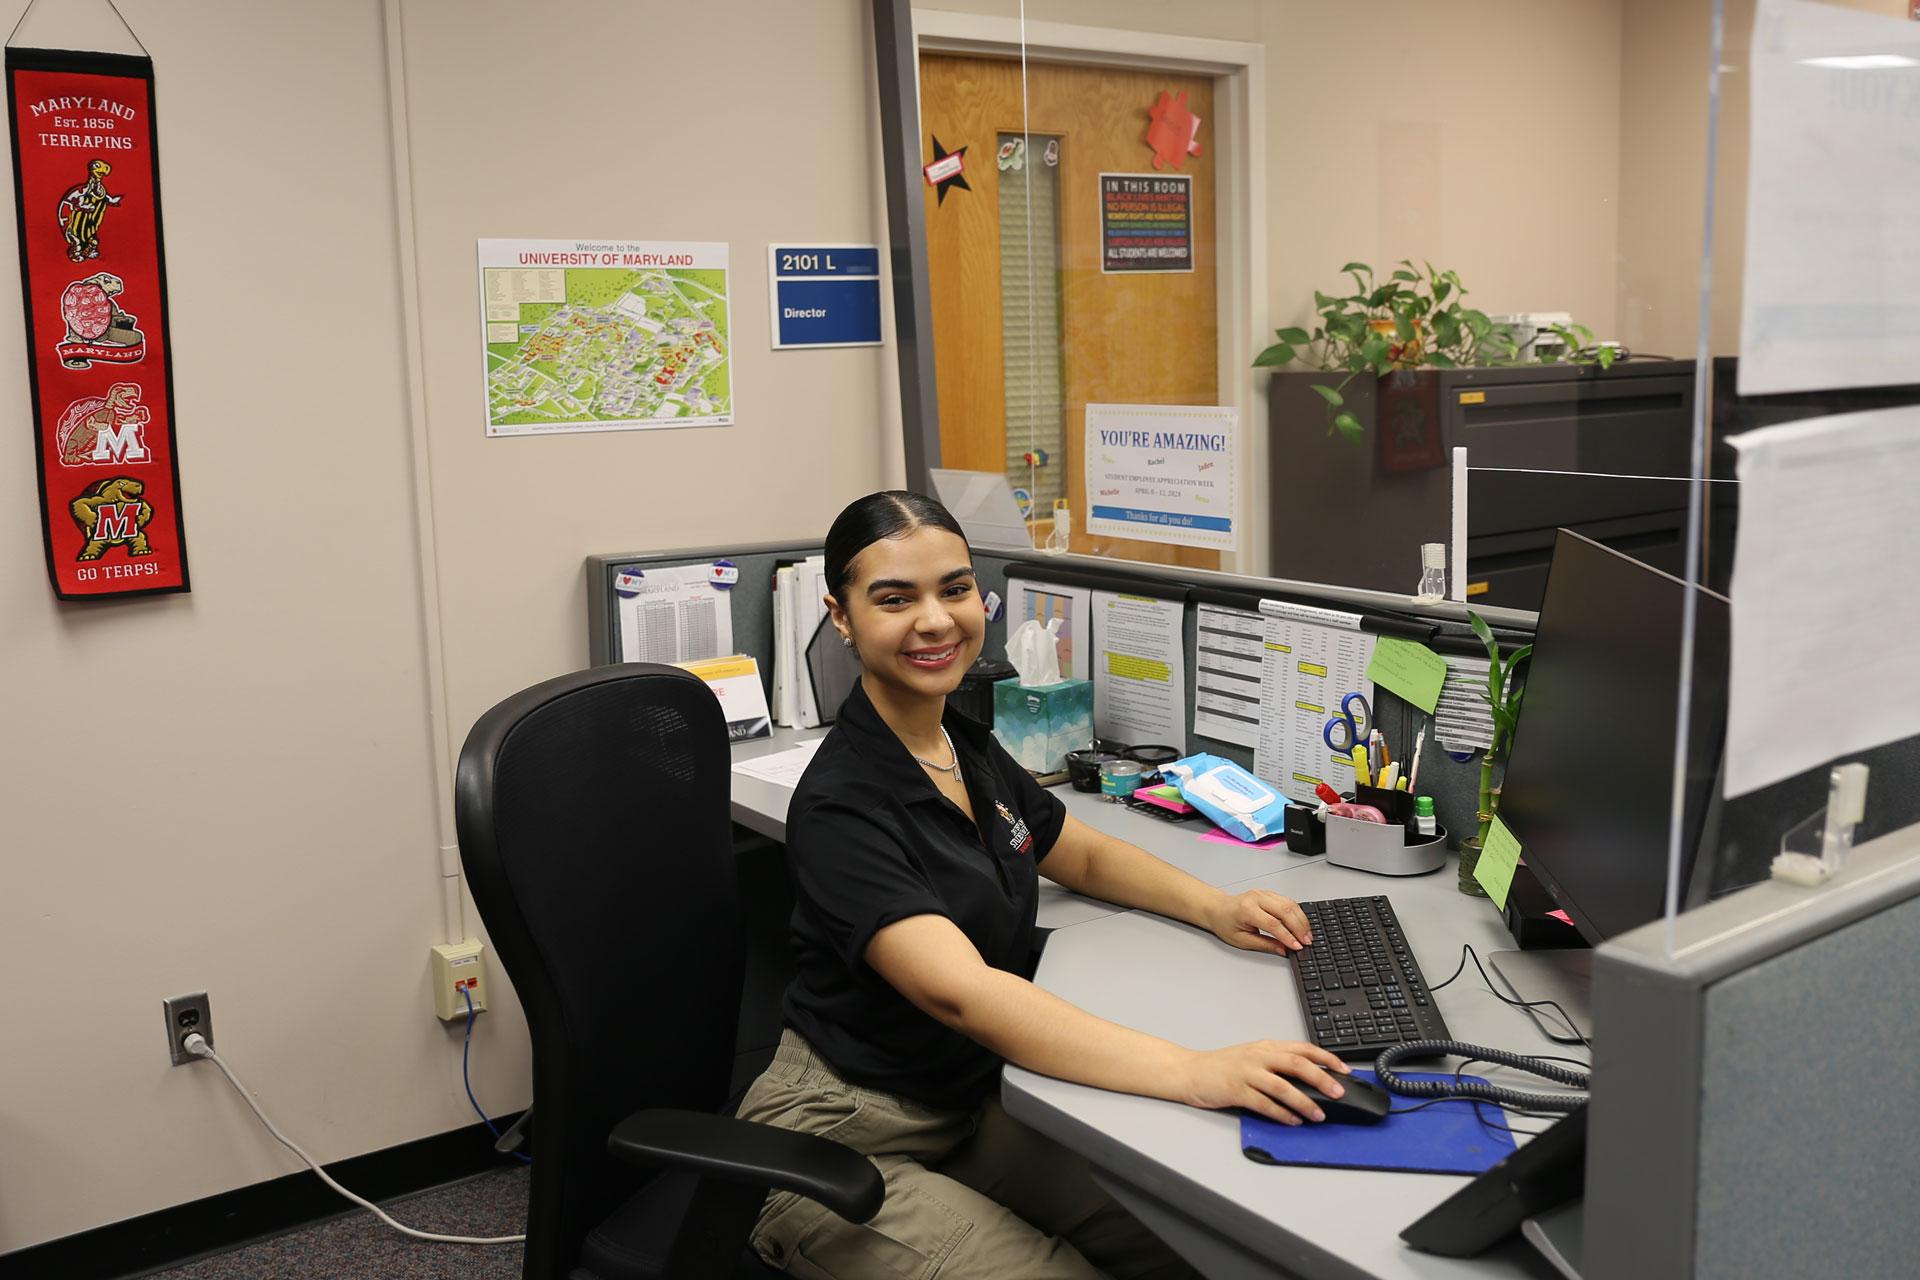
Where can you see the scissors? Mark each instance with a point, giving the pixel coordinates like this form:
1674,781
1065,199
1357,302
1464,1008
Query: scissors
1349,730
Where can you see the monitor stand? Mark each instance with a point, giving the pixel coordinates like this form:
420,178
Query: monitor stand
1564,976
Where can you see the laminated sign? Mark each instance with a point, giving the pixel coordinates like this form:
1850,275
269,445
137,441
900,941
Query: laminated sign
92,271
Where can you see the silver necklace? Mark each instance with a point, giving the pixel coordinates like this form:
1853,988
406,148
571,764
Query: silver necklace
953,769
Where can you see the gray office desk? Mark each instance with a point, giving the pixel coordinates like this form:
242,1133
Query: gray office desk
1178,1168
762,806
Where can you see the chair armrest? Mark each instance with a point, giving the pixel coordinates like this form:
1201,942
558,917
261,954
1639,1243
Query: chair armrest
733,1150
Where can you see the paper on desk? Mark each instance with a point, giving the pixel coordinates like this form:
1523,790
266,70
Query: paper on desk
1226,678
1139,671
1463,719
1218,836
1831,294
1313,659
782,768
675,615
1825,606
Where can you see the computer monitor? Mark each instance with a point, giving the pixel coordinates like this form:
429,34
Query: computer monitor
1589,784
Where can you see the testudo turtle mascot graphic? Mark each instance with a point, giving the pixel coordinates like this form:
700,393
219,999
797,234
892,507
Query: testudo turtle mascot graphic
109,429
113,514
83,208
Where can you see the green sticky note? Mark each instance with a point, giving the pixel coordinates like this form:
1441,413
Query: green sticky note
1498,858
1409,669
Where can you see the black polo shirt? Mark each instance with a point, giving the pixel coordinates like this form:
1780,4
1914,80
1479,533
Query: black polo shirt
870,840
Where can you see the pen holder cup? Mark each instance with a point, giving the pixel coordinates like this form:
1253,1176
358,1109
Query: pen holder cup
1383,848
1397,805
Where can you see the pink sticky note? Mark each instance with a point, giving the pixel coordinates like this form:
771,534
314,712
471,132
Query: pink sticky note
1172,806
1217,836
1561,916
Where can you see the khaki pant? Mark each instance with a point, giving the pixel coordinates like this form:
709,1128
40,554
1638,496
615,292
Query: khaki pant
970,1194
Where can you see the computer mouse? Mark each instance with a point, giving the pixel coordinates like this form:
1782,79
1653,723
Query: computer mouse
1364,1102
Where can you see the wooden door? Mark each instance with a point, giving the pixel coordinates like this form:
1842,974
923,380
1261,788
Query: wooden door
1121,338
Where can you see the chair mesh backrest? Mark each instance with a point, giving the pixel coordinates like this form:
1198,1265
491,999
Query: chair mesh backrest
594,830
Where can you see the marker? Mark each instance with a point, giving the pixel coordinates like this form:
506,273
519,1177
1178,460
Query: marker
1362,773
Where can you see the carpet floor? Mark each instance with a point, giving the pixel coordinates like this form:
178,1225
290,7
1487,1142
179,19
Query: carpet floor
357,1246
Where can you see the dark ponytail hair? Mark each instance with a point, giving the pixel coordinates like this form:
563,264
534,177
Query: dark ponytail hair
892,513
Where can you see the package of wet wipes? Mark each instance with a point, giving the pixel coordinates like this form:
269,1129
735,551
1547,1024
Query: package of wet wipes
1238,802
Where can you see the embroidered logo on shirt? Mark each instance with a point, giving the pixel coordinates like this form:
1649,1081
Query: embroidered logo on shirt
1022,839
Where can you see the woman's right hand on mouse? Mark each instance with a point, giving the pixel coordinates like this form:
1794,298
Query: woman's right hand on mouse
1254,1077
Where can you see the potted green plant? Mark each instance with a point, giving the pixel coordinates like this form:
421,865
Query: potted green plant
1503,697
1410,320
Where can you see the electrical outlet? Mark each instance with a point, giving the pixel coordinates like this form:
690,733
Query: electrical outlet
186,1014
458,976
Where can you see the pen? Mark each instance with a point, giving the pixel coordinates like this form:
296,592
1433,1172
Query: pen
1361,773
1413,772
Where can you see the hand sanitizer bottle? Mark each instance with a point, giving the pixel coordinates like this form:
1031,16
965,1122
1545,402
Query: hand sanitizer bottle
1062,528
1433,573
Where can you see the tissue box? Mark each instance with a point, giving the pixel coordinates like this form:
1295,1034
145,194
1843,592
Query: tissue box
1039,724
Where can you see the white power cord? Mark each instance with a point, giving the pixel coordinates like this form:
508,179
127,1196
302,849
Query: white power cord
196,1044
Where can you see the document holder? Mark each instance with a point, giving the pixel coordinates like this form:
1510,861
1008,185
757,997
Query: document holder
1383,848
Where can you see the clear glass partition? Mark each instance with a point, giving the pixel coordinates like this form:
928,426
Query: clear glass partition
1814,388
1295,289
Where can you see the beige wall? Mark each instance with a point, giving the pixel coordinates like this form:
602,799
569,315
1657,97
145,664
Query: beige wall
234,789
231,789
1482,137
1665,52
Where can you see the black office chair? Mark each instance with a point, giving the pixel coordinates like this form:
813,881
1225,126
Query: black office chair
593,821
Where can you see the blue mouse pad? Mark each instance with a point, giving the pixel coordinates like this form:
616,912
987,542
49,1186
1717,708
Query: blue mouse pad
1447,1137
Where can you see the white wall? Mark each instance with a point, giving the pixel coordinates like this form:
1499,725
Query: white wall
231,789
234,789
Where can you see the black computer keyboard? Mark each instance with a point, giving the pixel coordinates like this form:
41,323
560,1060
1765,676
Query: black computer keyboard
1359,984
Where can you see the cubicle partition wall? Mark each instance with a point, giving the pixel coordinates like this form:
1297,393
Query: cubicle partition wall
1454,784
1754,1109
751,597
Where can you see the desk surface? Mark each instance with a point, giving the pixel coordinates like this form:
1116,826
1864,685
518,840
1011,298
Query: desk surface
762,806
1176,981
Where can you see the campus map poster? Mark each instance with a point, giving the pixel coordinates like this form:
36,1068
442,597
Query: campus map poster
604,335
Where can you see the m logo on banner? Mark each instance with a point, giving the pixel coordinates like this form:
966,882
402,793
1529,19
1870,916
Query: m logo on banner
116,521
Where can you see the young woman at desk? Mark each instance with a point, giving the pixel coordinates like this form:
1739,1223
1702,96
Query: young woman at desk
914,841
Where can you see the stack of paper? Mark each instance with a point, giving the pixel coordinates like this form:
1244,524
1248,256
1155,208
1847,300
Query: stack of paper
799,605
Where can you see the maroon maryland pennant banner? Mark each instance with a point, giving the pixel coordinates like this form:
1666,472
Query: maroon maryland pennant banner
94,277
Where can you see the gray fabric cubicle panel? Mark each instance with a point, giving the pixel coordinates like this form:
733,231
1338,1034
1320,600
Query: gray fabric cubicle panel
1811,1055
1754,1111
751,600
